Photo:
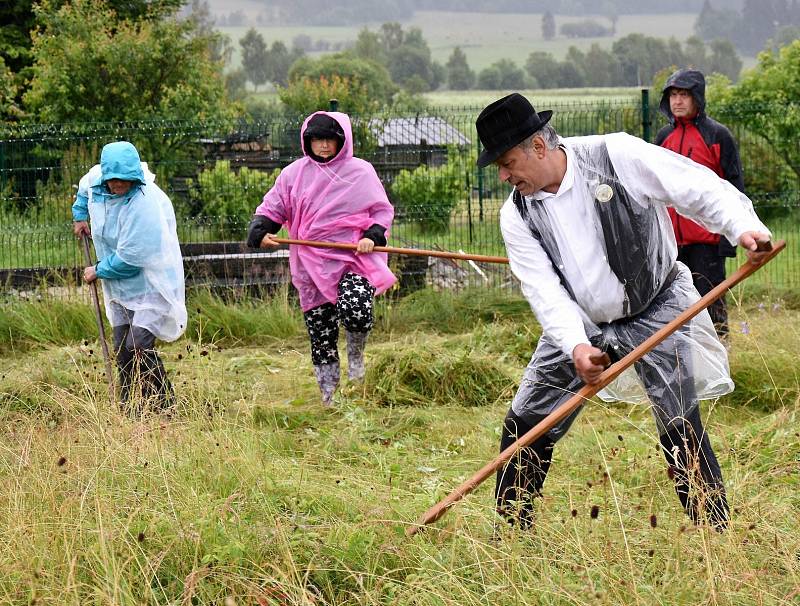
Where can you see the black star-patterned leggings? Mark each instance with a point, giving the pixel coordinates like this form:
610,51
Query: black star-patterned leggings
353,308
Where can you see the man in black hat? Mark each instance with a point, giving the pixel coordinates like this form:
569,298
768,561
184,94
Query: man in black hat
588,236
692,133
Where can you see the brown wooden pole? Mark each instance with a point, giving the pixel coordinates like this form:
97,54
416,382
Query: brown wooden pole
395,250
588,391
98,316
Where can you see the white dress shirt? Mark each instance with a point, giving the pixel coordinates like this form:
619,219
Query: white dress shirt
651,175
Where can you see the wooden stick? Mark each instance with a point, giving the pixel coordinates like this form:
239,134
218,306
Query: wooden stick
588,391
98,316
398,251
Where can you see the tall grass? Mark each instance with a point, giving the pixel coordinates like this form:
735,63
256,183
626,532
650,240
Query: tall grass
55,321
214,317
231,317
253,493
449,311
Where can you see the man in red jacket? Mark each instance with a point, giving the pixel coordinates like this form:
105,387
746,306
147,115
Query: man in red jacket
693,134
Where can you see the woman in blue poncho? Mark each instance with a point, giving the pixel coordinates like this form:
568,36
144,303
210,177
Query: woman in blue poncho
140,264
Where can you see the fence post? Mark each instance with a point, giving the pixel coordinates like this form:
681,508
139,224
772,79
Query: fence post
334,104
480,187
646,115
424,152
467,175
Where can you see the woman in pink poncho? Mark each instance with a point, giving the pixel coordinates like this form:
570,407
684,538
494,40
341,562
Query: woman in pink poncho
330,195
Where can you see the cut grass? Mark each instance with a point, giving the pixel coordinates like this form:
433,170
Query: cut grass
274,499
426,375
256,493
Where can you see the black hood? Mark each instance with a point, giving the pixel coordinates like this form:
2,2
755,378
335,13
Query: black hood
693,81
322,126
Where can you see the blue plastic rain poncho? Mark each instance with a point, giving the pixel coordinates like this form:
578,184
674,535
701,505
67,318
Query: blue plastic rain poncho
135,238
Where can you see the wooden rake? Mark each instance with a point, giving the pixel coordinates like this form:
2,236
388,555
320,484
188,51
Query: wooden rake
98,316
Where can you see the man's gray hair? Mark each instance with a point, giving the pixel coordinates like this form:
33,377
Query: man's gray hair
548,133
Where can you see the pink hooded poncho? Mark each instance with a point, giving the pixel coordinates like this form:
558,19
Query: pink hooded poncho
334,201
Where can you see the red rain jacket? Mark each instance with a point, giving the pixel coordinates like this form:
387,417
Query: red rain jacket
705,141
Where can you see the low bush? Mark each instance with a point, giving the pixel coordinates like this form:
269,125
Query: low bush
427,196
221,191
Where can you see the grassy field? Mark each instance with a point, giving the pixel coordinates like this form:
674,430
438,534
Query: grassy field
539,97
253,493
477,99
485,37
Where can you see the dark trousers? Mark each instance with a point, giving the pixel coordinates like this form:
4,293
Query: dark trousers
708,270
522,478
140,369
353,309
686,447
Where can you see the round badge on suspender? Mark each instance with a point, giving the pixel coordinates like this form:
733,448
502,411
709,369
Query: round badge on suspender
603,193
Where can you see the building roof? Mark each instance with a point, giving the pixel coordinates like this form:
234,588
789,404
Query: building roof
411,131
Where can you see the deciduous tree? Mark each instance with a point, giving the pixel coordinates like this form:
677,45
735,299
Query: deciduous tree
771,89
356,72
642,56
8,93
410,62
254,57
459,74
543,68
696,53
369,46
503,74
548,26
724,59
91,66
279,60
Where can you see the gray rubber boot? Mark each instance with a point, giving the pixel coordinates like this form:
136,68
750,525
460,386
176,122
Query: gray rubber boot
356,343
328,380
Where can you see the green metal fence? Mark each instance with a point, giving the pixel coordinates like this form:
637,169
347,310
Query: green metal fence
216,174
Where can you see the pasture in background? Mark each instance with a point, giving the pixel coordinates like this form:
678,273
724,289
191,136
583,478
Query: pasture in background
484,37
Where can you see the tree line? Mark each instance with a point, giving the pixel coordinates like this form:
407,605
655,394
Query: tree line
632,61
86,61
406,58
755,25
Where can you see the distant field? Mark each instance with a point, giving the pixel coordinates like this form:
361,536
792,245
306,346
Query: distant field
485,37
480,98
560,96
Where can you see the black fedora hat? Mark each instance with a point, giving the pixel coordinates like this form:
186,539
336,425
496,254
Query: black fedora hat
506,123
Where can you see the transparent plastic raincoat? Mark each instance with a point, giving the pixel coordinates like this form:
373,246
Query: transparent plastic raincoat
335,201
135,231
621,187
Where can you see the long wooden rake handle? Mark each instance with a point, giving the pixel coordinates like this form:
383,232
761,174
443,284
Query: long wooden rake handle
98,316
419,252
588,391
